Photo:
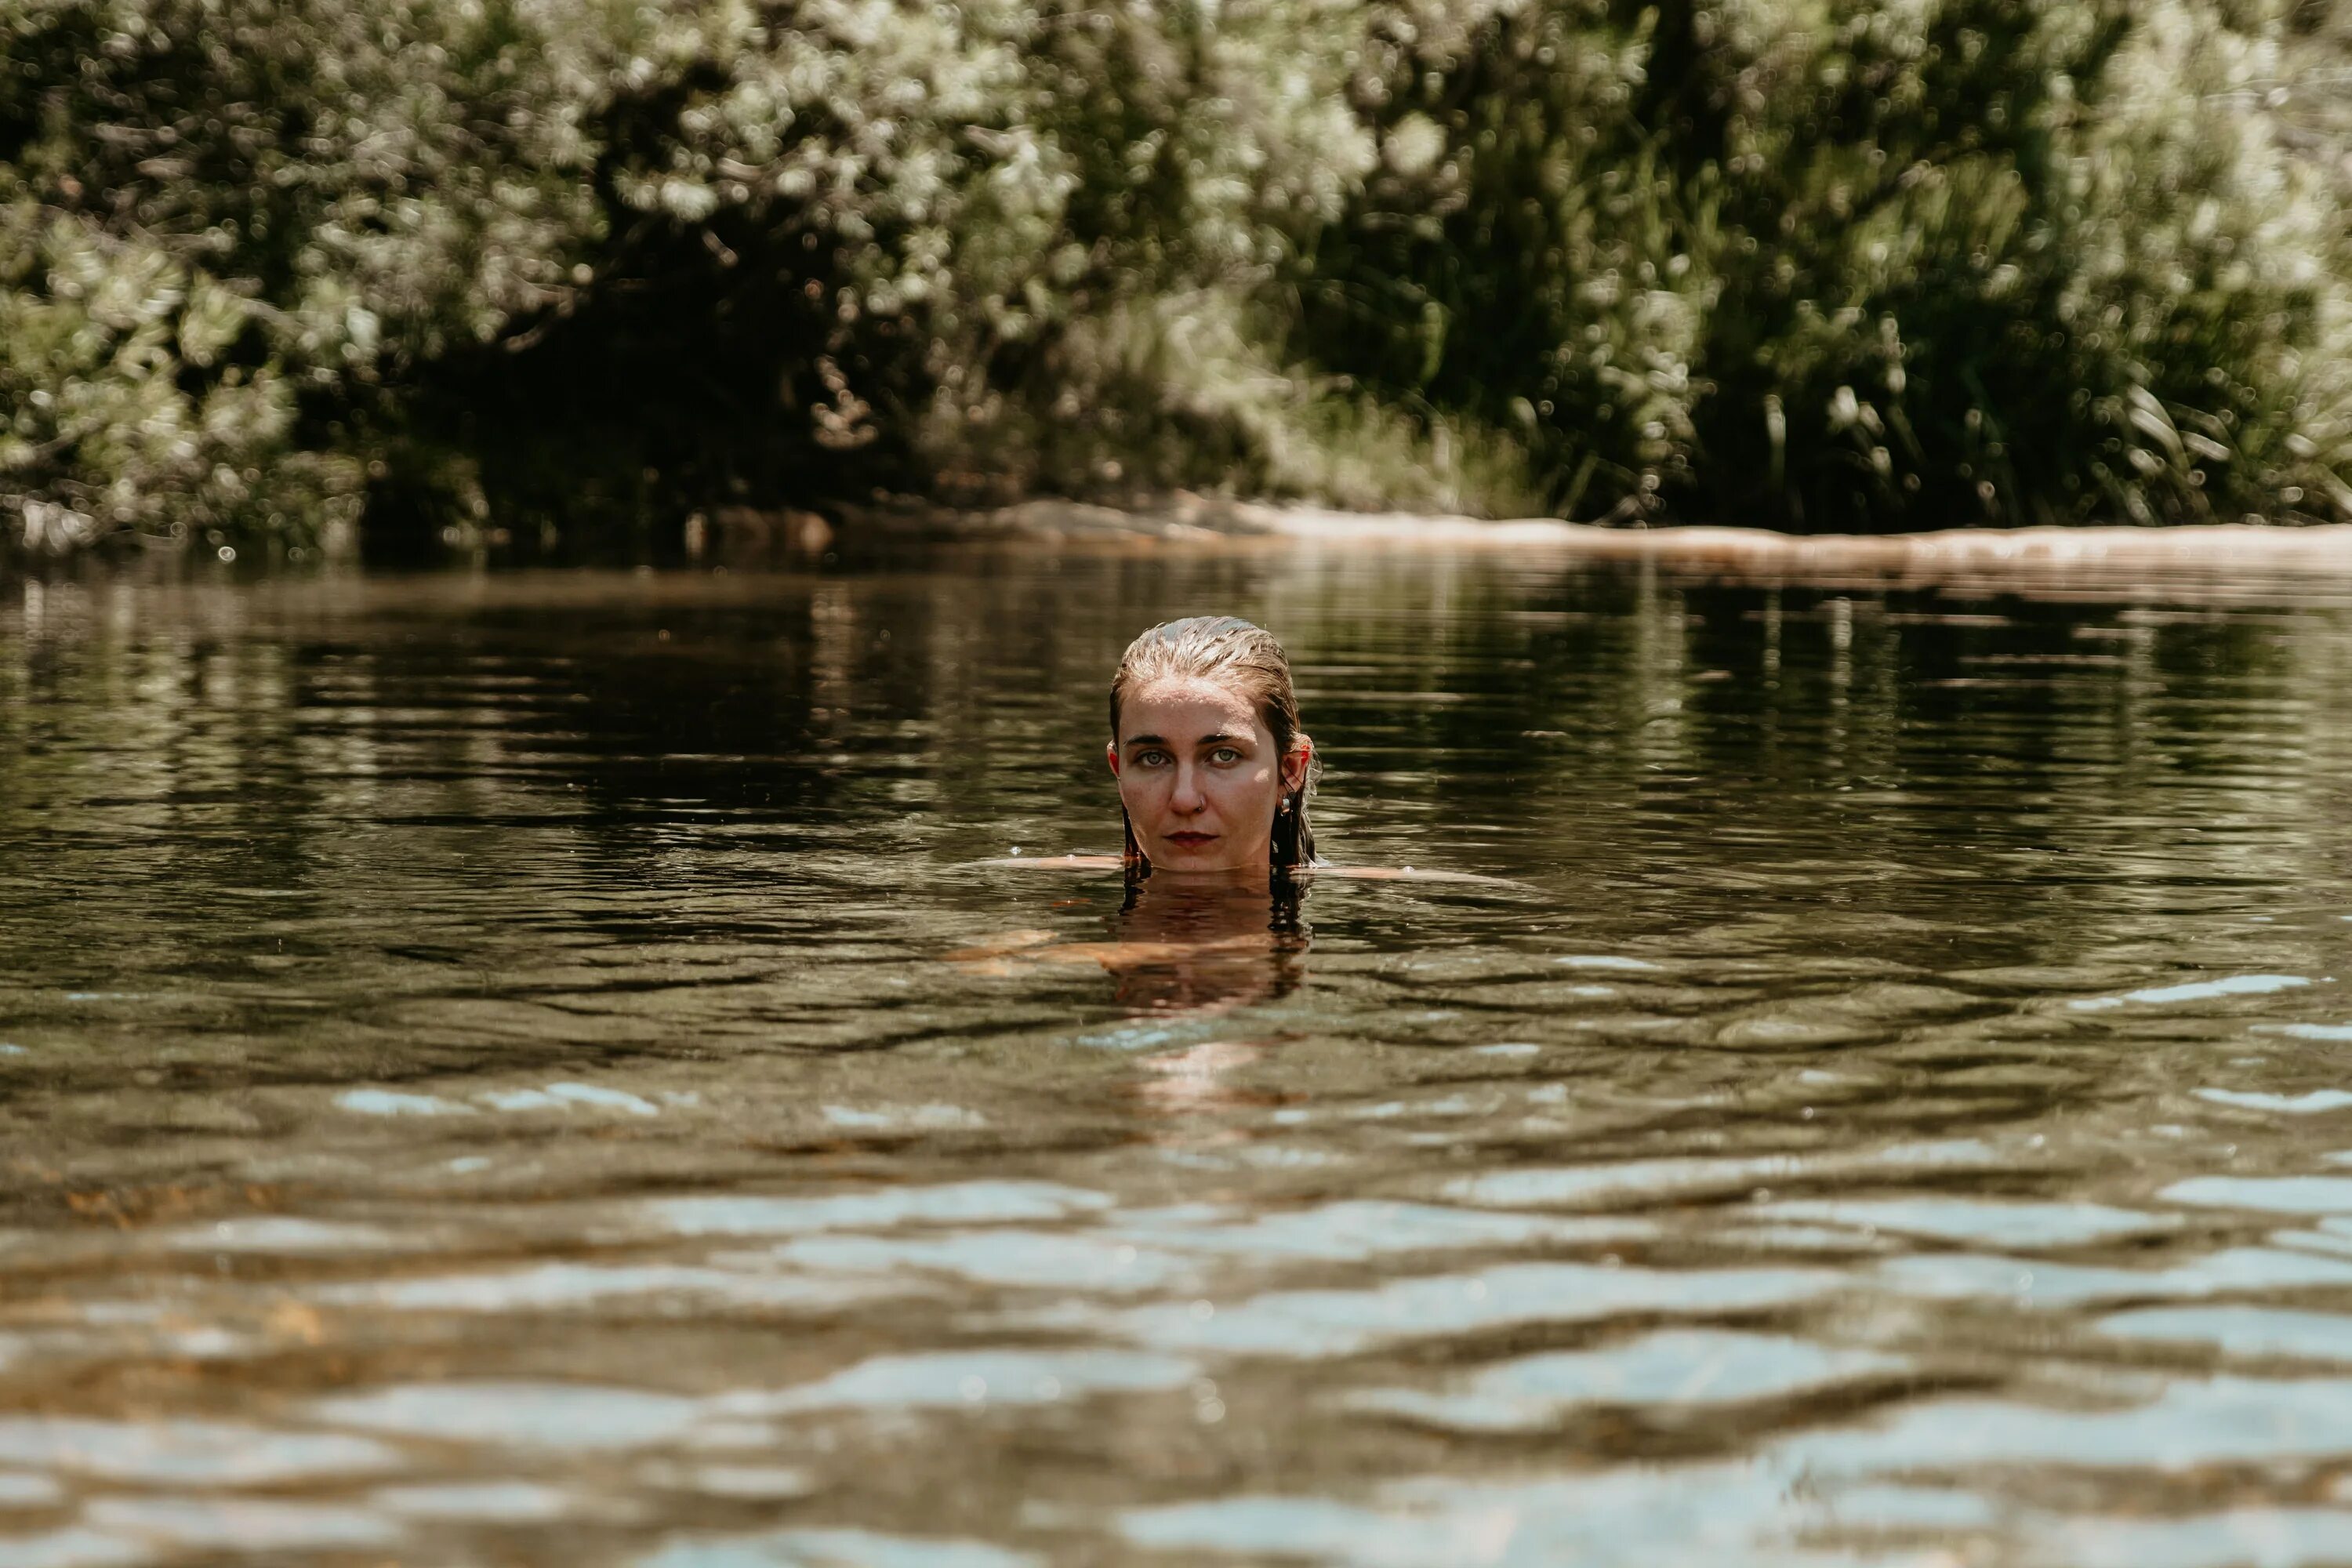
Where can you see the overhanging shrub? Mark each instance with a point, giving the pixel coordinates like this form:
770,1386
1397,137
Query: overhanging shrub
564,263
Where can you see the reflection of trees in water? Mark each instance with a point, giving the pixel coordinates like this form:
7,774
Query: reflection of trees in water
1693,756
461,792
1683,756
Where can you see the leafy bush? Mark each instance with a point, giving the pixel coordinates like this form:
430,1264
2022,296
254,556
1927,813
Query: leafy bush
1918,262
267,270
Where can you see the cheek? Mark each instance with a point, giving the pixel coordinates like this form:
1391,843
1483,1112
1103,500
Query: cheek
1247,795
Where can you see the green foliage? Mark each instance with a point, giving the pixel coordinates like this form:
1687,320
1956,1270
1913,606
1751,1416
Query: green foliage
460,264
227,219
1921,262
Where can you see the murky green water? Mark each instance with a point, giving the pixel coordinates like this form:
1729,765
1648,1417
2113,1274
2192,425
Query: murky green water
518,1071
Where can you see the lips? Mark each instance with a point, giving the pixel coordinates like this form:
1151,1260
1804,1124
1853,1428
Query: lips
1191,840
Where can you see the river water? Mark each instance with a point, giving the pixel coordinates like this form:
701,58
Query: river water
523,1069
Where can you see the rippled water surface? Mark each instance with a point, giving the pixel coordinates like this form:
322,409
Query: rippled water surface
523,1070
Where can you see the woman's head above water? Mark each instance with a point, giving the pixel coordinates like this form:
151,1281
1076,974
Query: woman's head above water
1213,772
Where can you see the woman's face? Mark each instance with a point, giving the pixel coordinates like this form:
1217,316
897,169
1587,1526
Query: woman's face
1200,776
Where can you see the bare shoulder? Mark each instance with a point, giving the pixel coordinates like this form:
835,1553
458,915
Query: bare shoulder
1410,874
1341,873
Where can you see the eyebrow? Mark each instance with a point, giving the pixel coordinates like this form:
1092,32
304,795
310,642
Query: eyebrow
1156,741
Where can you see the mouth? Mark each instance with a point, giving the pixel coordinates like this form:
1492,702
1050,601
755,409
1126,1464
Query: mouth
1191,840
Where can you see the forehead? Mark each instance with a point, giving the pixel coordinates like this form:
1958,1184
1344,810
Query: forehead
1176,708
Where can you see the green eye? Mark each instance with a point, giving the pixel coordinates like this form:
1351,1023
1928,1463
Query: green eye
1225,754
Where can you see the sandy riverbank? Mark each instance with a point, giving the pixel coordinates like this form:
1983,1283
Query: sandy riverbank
2225,562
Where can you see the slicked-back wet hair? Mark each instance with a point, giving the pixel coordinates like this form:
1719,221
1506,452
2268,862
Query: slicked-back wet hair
1246,659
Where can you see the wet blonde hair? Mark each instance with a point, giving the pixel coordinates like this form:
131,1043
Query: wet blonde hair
1246,659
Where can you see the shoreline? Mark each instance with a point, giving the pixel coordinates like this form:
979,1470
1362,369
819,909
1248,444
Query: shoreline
2221,561
1188,517
2190,563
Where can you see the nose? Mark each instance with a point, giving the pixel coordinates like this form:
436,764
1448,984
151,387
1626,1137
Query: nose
1188,798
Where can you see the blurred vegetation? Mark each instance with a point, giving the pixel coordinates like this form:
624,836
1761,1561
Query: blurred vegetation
273,271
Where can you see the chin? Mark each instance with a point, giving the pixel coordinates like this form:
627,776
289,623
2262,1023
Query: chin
1210,857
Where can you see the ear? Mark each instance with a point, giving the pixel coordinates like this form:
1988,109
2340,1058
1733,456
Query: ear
1295,763
1110,756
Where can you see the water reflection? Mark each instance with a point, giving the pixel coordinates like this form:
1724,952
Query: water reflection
1179,947
483,1080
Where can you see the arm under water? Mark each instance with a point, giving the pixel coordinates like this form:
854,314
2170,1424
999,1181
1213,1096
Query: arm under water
1186,944
1178,946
